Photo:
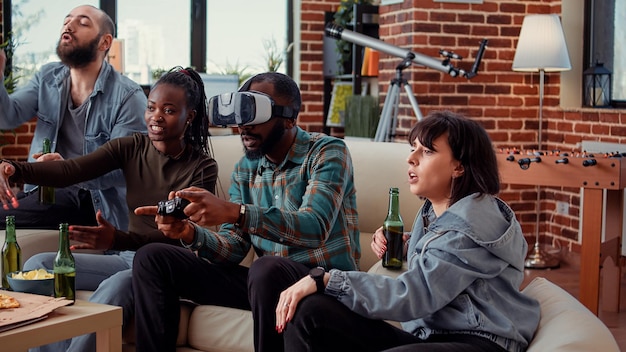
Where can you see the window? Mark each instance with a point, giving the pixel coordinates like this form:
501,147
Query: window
240,39
36,27
155,35
605,28
211,35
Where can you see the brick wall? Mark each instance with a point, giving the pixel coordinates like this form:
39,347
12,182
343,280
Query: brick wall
505,102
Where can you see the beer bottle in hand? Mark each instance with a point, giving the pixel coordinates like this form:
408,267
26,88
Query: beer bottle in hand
393,228
46,194
64,267
11,252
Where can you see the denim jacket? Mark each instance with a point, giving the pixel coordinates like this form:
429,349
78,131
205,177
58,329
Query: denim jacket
116,109
465,269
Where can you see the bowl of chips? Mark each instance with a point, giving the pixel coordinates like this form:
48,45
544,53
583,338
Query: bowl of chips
39,281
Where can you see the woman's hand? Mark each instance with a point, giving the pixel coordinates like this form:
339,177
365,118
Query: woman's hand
379,243
290,298
94,237
6,194
405,240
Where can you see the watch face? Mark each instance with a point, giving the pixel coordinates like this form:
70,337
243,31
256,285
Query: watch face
317,272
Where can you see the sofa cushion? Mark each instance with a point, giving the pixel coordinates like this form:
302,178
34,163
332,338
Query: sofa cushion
566,324
221,329
377,167
186,307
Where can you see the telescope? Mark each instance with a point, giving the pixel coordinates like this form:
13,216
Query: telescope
335,31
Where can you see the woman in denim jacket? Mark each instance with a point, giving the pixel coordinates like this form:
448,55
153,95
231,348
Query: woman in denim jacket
465,264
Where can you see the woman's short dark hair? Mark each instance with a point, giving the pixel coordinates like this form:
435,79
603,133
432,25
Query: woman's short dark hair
470,145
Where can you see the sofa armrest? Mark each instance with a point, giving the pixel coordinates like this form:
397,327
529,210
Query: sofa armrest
566,324
368,258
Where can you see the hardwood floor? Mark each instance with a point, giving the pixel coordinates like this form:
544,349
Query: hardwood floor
567,276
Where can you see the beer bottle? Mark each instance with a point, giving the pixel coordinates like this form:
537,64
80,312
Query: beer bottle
64,267
46,194
393,228
11,252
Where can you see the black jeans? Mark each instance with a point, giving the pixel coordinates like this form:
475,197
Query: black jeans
322,323
162,274
71,205
268,277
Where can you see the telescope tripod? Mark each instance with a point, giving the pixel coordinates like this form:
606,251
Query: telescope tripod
386,129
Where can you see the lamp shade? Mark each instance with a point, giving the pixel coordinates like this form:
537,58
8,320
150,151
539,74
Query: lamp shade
541,45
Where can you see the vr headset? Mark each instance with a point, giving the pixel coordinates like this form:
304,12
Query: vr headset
245,108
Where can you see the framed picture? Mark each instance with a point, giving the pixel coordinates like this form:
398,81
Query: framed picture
336,111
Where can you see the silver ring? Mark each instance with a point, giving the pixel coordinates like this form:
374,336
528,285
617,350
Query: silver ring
286,304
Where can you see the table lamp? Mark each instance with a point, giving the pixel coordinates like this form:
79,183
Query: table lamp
541,48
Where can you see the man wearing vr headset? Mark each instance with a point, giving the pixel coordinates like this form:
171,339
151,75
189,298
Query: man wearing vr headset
292,200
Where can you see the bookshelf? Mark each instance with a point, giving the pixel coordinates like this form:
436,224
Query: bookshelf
365,21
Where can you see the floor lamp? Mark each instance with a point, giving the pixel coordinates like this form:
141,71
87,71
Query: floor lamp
541,48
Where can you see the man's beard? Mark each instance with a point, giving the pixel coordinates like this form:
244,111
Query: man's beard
78,56
269,143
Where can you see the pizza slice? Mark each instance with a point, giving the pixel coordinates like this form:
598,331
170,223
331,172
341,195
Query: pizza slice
7,301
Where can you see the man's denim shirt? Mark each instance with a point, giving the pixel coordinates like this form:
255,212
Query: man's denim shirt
116,109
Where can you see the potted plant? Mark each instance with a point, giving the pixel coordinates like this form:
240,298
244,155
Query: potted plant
344,16
10,78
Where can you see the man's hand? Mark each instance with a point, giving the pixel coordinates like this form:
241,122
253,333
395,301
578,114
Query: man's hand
47,157
206,209
6,194
169,225
94,237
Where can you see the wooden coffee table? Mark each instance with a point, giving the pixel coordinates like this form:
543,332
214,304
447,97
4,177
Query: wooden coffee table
66,322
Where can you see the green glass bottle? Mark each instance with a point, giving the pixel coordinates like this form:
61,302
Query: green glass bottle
393,228
46,194
64,267
11,252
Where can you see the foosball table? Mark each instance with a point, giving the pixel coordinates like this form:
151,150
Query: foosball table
602,179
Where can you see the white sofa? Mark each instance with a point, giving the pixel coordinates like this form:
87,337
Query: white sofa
566,325
377,166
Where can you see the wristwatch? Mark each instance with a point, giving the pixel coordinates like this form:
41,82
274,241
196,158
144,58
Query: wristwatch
242,214
317,274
